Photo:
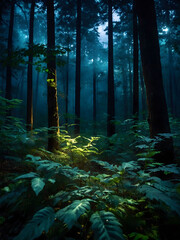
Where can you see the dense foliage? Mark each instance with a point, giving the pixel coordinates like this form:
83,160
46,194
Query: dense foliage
91,188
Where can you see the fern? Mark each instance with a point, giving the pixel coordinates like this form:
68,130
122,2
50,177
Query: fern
37,183
27,175
50,168
41,221
106,226
171,168
153,193
11,197
70,214
107,165
131,165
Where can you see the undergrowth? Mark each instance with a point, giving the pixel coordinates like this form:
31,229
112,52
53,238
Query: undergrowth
91,188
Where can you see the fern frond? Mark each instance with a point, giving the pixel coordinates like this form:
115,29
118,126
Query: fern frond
27,175
41,221
171,168
107,165
106,226
153,193
11,197
70,214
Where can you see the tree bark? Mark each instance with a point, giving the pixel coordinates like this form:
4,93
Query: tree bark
135,65
30,71
171,76
111,98
94,95
171,80
78,69
150,55
125,93
143,94
130,86
53,117
8,94
67,88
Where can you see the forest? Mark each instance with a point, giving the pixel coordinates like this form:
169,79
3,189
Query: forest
89,120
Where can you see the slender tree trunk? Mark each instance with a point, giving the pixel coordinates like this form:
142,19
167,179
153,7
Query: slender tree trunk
171,79
94,95
125,95
170,64
53,117
111,98
67,88
150,55
8,94
30,71
143,94
135,65
130,86
78,69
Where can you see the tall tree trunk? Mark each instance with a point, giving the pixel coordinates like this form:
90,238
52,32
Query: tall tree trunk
78,68
125,95
94,95
53,117
143,94
30,71
8,94
171,79
150,55
111,98
130,86
135,65
67,88
171,76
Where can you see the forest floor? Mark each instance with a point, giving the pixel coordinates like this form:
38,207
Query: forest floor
91,188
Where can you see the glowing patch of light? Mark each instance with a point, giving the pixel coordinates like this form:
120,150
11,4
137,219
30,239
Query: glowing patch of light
116,17
91,61
165,29
102,34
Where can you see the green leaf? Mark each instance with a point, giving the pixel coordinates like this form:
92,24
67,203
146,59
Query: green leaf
41,221
132,165
171,168
6,189
32,158
106,226
11,197
37,185
71,213
51,180
27,175
153,193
